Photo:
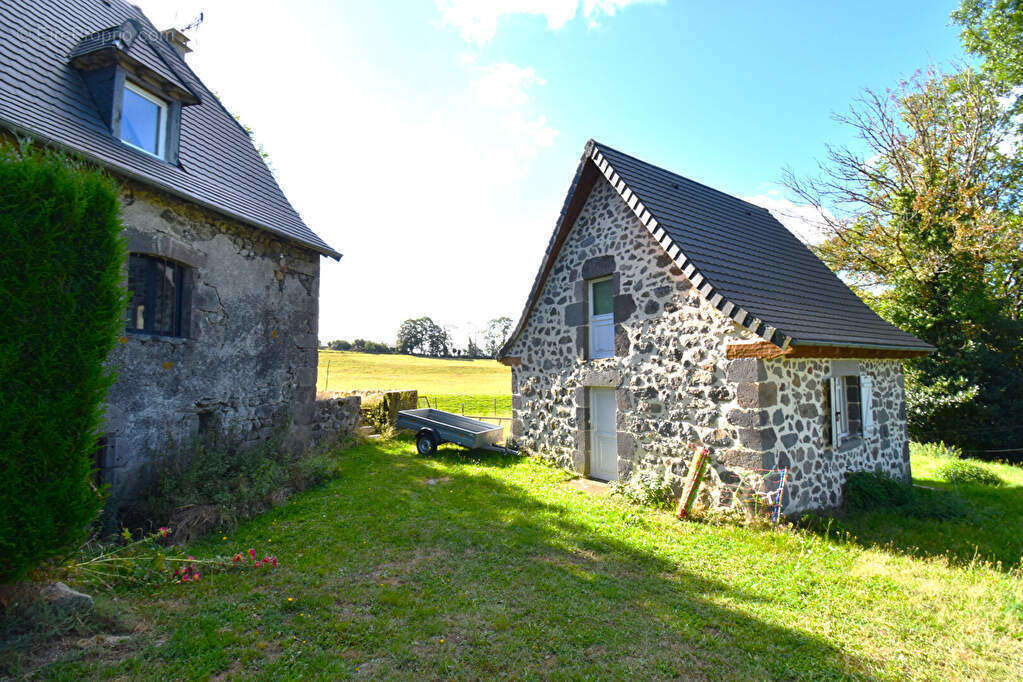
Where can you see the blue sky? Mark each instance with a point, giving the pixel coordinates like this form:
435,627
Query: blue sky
433,142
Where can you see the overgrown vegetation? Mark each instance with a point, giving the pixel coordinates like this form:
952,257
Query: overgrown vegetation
962,471
214,485
62,309
647,489
471,565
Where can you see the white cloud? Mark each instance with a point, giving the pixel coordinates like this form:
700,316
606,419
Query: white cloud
801,220
504,89
476,20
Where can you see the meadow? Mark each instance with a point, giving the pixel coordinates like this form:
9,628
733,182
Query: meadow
449,383
465,565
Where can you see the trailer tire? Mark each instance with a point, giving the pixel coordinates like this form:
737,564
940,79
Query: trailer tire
426,442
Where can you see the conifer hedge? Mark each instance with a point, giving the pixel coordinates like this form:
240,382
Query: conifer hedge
61,311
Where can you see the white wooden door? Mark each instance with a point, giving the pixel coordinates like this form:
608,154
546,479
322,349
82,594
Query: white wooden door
603,434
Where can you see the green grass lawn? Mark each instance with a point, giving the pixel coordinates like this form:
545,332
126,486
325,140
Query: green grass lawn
995,534
471,567
476,384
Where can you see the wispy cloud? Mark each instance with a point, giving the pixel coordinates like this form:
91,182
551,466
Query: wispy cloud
801,220
505,89
476,20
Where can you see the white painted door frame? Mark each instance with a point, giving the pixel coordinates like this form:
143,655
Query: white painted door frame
603,434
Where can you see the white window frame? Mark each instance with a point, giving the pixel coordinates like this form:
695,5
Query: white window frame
840,407
161,122
600,325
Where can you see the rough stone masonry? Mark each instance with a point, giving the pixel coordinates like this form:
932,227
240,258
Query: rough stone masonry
247,365
675,387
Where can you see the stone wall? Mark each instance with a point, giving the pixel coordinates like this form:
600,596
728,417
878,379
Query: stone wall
336,418
675,387
248,364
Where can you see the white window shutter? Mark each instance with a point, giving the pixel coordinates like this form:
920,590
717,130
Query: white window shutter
867,402
835,386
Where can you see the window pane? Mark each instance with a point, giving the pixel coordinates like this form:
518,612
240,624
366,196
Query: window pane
137,267
156,304
140,122
603,297
166,297
852,409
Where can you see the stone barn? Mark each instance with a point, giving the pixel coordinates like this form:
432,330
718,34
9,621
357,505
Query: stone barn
220,334
667,315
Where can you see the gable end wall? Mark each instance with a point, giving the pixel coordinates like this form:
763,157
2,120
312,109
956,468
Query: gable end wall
675,387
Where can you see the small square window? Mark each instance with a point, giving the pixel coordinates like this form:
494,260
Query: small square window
159,301
143,120
847,403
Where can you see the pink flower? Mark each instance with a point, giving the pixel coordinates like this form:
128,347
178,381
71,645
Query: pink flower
252,553
274,561
164,531
191,558
197,577
184,578
257,564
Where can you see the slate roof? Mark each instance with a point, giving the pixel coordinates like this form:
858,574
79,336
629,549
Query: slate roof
737,254
42,95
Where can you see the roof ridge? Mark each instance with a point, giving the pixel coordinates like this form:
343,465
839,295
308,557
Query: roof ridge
674,174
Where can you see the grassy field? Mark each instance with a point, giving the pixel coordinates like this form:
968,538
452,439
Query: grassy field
469,567
449,383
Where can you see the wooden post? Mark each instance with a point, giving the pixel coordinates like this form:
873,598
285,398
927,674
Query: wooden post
696,469
326,382
463,409
495,407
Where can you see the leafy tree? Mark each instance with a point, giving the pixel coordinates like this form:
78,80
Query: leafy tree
496,334
423,336
339,344
925,223
993,29
472,349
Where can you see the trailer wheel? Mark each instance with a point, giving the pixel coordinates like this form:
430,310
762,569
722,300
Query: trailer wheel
426,442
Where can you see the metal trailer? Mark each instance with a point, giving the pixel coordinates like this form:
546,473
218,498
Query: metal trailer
434,427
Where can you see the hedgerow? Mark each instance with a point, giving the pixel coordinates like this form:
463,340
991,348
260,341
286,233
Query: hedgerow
61,309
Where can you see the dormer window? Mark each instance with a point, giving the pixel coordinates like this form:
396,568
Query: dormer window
144,120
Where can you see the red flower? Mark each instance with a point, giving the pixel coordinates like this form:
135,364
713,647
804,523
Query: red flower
197,577
164,531
257,564
274,561
237,558
252,553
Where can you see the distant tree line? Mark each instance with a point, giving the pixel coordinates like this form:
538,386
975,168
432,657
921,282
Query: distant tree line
360,346
424,337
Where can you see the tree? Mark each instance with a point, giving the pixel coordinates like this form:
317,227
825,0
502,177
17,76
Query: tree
62,305
423,336
496,334
993,30
339,344
472,349
925,224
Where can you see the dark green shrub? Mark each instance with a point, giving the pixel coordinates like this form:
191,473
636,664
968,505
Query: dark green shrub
961,471
61,309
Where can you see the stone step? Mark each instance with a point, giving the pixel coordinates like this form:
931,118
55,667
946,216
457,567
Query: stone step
366,430
374,436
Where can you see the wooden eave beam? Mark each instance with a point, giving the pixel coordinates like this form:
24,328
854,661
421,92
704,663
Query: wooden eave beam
766,350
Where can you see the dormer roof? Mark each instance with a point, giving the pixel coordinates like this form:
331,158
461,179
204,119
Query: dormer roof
45,96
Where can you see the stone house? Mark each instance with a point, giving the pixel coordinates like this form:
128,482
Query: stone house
221,331
667,315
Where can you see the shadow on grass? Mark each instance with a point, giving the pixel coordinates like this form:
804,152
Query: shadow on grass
989,527
441,567
542,592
